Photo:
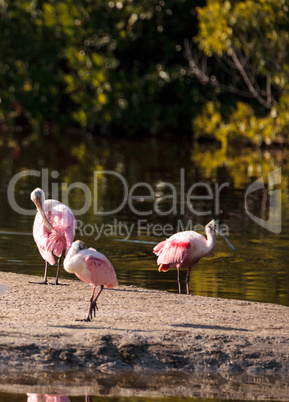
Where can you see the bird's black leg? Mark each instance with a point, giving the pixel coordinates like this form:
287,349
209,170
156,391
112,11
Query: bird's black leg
179,280
188,280
58,269
90,306
94,306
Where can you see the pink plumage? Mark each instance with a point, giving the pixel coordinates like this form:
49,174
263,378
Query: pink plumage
53,229
174,251
61,236
92,267
185,249
101,271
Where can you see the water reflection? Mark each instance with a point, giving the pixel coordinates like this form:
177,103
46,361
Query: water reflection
143,387
47,398
242,166
259,269
54,398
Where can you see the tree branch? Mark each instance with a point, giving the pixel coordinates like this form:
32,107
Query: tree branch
248,81
194,67
237,62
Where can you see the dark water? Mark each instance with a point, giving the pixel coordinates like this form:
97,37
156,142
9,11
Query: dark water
158,177
129,195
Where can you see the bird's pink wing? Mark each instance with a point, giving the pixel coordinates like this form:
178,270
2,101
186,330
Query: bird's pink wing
59,214
174,251
41,238
69,236
158,248
64,223
56,242
61,237
102,271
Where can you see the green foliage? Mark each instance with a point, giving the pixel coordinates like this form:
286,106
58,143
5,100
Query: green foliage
215,31
122,67
242,125
250,39
103,64
258,28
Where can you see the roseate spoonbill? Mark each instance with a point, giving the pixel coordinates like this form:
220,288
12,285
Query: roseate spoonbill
92,267
53,229
185,249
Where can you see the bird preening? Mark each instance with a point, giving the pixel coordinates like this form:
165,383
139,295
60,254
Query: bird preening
92,267
53,229
185,249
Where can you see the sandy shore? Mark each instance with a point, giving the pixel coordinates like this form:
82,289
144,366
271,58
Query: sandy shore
137,330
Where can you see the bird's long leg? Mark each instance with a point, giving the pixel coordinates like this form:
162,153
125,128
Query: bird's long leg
45,274
94,306
90,305
58,268
179,279
188,280
44,282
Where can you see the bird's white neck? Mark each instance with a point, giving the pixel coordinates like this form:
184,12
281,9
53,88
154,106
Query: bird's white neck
46,222
211,239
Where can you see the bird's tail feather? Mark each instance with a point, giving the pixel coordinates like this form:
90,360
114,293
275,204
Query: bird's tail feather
164,268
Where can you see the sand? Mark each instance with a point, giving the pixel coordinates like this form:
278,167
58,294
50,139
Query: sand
161,335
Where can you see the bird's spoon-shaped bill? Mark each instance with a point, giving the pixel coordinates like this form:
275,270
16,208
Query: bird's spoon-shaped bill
218,230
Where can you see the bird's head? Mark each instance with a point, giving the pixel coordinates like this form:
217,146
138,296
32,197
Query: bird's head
38,197
77,246
70,263
215,227
213,224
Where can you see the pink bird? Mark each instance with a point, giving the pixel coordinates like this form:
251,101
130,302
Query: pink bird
53,229
185,249
92,267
